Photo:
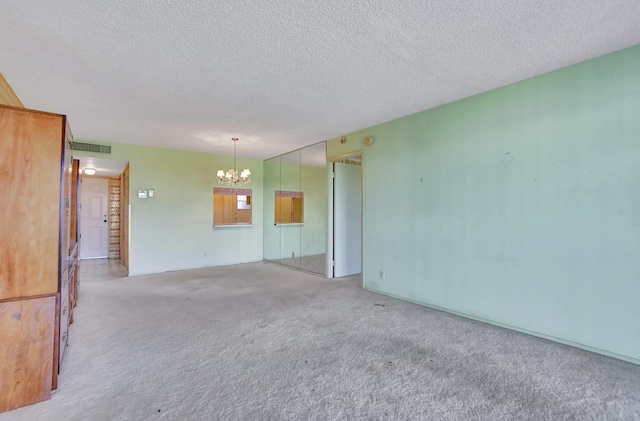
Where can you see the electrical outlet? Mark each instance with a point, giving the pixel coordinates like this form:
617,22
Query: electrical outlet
382,274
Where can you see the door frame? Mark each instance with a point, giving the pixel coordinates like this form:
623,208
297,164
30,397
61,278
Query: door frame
330,209
82,213
125,218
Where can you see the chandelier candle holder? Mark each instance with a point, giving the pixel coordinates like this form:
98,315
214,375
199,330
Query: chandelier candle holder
232,178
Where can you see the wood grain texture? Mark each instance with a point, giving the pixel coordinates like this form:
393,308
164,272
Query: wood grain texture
7,95
30,151
75,188
26,329
124,246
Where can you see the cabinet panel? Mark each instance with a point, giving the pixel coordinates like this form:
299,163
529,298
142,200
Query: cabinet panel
64,328
30,206
224,209
36,240
26,329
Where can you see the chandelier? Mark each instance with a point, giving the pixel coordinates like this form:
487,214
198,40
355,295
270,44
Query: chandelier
231,177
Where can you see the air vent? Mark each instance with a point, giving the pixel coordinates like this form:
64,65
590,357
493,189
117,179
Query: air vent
90,147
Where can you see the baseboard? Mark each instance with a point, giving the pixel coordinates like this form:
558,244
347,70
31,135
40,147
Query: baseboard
510,327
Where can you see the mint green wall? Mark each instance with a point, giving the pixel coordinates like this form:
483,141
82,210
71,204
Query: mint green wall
519,206
174,230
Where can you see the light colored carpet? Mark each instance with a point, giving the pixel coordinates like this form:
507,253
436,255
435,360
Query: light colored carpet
316,263
263,342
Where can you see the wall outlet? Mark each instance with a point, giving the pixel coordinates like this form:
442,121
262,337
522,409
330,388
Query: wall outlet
382,274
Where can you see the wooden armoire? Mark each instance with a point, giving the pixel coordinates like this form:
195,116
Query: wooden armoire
38,252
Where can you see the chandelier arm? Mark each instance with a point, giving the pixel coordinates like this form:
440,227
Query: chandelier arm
232,178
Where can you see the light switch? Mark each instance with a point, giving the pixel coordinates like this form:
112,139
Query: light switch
150,192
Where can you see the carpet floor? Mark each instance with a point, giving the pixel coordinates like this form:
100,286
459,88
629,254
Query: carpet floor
262,342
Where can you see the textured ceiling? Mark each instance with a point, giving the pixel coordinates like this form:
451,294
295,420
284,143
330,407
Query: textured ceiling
281,74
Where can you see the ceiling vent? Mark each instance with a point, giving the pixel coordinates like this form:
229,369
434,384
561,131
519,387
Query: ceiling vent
90,147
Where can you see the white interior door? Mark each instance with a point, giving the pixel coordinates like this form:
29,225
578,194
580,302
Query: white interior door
347,219
94,240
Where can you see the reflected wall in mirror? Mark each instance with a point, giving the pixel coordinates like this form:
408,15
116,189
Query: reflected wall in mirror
290,234
231,206
295,209
314,178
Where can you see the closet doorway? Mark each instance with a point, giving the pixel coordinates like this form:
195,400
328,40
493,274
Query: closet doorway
345,193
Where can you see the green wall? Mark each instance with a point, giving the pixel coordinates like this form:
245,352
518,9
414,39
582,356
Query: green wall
519,206
174,230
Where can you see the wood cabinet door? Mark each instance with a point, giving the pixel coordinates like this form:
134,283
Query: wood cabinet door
224,209
30,153
26,366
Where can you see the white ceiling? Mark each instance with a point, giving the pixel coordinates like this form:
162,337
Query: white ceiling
281,74
103,167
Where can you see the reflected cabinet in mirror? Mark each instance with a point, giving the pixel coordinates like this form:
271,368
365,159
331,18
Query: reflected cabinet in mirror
289,207
295,209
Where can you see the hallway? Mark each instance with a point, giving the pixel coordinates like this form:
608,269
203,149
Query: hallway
258,341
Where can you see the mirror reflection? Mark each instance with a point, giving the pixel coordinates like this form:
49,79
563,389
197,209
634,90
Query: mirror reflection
290,232
295,209
231,206
271,233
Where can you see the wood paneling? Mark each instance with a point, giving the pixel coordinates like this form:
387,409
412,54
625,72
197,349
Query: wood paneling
115,202
124,222
7,95
30,206
75,192
26,329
